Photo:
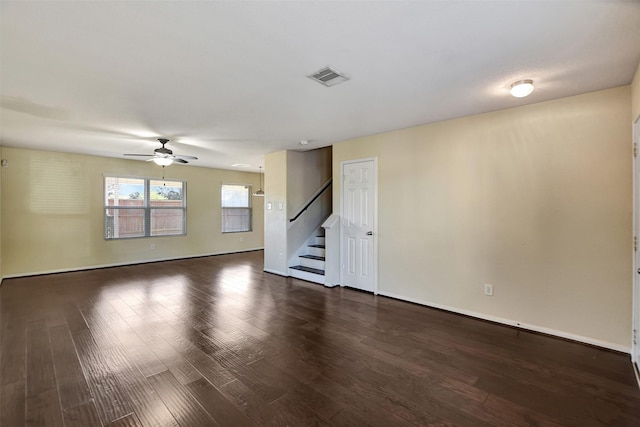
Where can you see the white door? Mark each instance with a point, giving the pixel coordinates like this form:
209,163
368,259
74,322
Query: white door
358,250
635,350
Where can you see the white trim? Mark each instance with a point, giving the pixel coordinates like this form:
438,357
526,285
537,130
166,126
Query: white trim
305,275
157,178
634,234
375,228
510,322
635,294
121,264
279,273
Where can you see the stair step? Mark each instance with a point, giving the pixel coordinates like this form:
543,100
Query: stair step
316,257
313,259
308,269
316,250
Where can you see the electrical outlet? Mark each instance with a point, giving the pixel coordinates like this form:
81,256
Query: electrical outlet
241,239
488,290
152,247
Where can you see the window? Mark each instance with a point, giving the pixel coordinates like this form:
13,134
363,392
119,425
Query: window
143,207
236,208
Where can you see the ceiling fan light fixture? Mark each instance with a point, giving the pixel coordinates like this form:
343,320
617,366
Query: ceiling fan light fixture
163,156
162,161
521,88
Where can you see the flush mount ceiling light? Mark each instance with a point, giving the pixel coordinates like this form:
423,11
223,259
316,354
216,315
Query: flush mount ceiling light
304,141
260,192
521,88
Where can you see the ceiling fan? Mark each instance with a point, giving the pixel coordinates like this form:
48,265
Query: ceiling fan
163,156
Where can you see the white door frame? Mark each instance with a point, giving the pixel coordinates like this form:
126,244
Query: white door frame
375,217
635,339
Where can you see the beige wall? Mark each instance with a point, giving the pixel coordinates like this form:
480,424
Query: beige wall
535,200
50,231
275,215
307,171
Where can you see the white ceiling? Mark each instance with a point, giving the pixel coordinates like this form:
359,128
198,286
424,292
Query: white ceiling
226,81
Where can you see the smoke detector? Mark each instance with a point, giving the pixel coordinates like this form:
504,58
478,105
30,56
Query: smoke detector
328,77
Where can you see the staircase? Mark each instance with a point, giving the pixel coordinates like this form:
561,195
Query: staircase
311,264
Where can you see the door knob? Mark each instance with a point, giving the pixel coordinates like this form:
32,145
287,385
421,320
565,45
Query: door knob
370,233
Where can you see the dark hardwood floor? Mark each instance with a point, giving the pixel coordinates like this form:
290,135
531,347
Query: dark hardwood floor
215,341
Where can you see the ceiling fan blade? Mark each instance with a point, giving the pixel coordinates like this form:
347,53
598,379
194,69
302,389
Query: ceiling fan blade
163,154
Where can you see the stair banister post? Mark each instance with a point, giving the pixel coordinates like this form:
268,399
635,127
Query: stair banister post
332,250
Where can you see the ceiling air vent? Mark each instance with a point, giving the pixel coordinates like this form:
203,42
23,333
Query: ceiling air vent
328,77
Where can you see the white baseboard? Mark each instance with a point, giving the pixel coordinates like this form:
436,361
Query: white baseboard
510,322
121,264
297,275
309,277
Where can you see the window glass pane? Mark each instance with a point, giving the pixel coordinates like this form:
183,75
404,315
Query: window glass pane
123,223
166,193
236,208
117,189
128,214
166,222
236,219
235,196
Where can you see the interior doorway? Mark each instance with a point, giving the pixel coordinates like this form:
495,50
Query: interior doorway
358,241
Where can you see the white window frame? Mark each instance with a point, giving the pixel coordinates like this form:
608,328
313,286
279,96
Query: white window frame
146,208
249,207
